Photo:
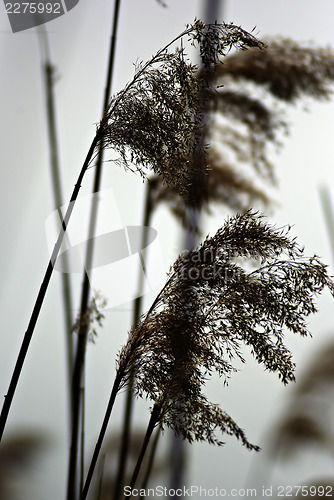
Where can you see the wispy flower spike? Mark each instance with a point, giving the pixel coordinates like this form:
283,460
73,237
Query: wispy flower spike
210,305
241,127
157,120
286,69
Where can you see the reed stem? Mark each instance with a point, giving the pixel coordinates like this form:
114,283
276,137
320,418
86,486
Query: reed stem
43,289
58,201
78,377
137,306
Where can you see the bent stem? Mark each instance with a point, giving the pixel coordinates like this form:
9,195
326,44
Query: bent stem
44,286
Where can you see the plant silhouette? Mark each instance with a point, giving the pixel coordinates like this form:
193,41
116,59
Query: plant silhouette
247,284
209,306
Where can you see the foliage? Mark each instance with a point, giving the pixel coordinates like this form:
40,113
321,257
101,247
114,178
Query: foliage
211,304
286,72
246,109
286,69
92,317
156,121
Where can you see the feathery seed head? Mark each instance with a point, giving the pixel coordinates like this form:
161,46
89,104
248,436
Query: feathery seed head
157,121
210,305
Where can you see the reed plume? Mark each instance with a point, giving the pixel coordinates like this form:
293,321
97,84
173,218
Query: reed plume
210,305
247,103
156,122
286,69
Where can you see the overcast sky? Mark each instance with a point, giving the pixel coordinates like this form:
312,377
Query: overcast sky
79,44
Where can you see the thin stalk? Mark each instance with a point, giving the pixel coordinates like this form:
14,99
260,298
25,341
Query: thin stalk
150,428
58,201
137,306
177,453
43,288
78,373
77,386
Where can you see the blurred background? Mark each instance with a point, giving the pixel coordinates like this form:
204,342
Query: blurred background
298,452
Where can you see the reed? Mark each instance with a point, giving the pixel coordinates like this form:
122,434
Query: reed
209,306
212,302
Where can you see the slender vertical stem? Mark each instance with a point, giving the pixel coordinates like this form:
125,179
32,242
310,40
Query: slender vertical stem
212,11
78,371
77,387
129,396
58,200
